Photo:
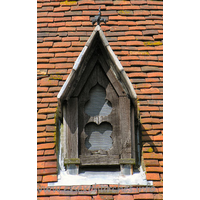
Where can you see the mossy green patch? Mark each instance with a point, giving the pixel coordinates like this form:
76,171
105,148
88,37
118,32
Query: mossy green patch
55,77
139,53
125,12
72,161
150,43
127,161
68,3
150,150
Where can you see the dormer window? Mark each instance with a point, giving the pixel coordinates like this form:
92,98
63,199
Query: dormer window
98,112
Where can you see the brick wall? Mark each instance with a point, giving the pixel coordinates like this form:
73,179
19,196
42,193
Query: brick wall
135,32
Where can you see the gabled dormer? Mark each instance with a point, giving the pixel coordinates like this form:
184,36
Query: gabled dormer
98,109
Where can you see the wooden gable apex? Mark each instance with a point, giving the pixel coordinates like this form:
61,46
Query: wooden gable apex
85,63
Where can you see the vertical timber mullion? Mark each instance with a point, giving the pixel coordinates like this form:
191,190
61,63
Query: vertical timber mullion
71,135
133,146
72,127
125,127
65,139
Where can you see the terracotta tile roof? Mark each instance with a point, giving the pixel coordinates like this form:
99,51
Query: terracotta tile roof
135,32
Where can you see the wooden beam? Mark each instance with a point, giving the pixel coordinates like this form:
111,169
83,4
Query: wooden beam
124,112
71,128
99,160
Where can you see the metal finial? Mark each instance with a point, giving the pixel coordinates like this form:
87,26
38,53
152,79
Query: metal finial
98,18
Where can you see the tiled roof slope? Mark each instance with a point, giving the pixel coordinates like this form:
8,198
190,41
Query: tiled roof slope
135,32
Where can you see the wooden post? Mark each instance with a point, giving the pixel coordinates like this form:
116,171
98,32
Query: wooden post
70,123
134,146
124,112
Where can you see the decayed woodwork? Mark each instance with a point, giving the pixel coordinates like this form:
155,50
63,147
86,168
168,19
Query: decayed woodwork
71,127
89,144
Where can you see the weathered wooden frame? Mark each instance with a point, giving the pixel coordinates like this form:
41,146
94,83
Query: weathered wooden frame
98,52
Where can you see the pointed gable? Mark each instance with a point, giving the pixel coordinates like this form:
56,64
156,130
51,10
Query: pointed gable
97,49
